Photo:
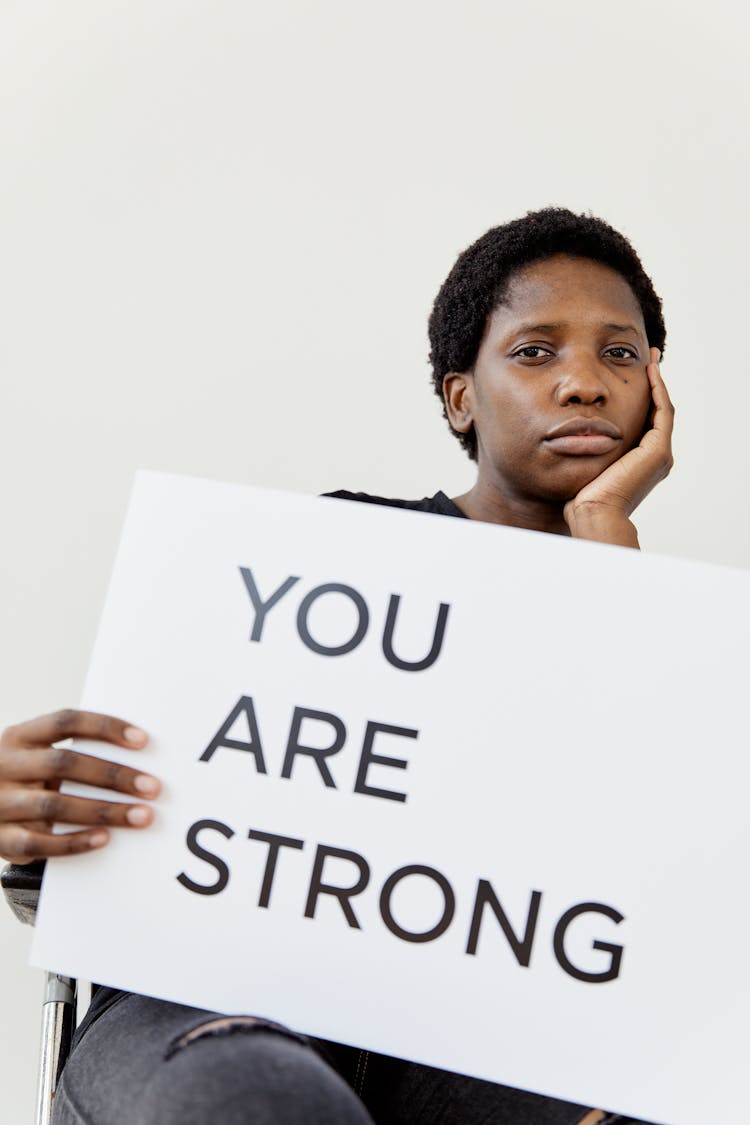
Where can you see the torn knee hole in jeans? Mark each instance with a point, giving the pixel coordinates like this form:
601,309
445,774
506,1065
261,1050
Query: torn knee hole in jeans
230,1025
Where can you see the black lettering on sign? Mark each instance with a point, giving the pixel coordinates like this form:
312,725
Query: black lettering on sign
208,857
262,607
521,946
437,639
367,758
363,615
449,903
318,753
615,951
343,894
274,844
244,706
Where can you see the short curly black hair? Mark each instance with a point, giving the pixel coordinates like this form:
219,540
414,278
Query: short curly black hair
479,281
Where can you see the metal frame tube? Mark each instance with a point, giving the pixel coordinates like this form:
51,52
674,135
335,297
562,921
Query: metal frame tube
58,1021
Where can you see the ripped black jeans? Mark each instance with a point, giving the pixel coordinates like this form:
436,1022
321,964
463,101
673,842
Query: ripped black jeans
148,1062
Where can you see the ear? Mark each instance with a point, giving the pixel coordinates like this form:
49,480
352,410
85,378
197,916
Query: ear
458,395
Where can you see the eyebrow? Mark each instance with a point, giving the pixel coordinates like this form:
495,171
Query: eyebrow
524,328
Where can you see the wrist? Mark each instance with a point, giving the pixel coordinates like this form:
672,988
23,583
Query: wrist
601,523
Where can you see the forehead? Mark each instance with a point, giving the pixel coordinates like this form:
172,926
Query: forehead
564,289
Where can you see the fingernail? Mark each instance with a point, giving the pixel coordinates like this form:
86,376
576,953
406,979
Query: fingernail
138,816
135,735
96,839
149,786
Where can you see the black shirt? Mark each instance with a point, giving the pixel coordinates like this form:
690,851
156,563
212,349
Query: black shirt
439,503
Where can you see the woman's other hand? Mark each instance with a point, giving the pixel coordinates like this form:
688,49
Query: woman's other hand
603,508
32,770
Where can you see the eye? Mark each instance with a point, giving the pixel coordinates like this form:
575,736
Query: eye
624,353
532,351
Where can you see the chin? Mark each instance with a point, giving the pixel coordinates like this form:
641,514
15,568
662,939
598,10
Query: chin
568,485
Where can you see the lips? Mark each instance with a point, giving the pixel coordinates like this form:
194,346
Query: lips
581,437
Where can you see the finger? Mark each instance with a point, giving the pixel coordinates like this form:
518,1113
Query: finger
22,845
58,763
659,392
20,805
658,437
73,724
657,441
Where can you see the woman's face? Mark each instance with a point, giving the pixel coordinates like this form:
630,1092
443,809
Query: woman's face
559,389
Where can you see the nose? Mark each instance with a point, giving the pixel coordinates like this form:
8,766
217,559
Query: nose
582,384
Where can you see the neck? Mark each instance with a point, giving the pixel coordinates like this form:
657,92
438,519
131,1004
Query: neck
487,503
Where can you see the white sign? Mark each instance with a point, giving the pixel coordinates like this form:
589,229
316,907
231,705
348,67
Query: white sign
461,793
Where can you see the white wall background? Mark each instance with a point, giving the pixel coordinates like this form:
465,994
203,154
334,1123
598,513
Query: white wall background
222,225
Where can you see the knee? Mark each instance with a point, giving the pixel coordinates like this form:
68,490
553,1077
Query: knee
239,1070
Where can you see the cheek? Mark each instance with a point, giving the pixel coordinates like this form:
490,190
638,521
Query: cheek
515,411
510,430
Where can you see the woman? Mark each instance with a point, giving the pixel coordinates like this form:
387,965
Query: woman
546,340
